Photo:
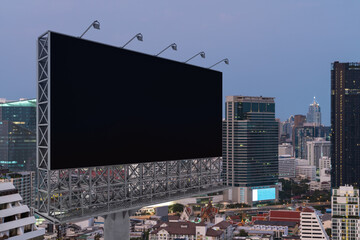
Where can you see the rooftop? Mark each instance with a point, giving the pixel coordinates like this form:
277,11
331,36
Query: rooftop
20,103
250,99
275,223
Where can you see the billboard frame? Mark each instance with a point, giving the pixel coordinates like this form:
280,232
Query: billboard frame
69,194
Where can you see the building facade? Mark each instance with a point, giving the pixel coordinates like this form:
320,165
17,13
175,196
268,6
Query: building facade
18,135
325,162
250,148
306,172
345,213
311,226
286,149
24,182
286,166
16,221
345,124
314,113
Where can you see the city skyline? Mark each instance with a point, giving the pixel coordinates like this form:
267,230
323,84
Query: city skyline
293,42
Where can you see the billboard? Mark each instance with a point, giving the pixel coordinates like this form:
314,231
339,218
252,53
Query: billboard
111,106
263,194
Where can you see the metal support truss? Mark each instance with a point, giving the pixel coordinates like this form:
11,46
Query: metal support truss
70,194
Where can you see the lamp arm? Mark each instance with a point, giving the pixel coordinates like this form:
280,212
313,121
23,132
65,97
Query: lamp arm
86,30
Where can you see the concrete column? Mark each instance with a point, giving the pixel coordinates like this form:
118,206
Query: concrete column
117,226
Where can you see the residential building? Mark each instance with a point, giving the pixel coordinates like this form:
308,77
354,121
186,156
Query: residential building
345,213
314,113
286,166
345,124
250,149
24,182
16,221
311,226
18,135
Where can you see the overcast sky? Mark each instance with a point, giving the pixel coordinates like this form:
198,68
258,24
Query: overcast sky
277,48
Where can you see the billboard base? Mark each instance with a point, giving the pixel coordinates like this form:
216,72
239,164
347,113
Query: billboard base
76,194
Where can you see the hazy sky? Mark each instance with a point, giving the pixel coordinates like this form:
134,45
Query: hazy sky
276,48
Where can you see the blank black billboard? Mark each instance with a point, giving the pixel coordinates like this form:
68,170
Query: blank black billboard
112,106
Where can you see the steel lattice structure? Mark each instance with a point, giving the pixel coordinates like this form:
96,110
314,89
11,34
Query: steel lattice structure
70,194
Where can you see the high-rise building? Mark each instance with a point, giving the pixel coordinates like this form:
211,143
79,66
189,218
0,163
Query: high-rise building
18,135
286,130
345,213
314,113
345,124
317,149
250,148
305,133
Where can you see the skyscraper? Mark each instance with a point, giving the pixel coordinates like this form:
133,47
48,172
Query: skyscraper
314,113
250,148
345,124
18,135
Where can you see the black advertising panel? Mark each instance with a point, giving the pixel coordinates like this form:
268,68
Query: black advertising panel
112,106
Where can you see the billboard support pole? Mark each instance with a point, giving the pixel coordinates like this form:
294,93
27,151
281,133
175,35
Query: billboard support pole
116,225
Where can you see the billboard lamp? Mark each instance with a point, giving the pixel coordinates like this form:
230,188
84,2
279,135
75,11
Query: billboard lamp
95,24
139,37
224,60
173,46
202,54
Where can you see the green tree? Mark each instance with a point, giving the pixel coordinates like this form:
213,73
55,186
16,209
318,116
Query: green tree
243,233
328,231
177,207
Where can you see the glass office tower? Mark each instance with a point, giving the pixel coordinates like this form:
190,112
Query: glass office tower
18,135
250,148
345,124
314,113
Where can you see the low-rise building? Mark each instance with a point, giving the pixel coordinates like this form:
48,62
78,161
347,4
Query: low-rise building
311,226
185,230
226,227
